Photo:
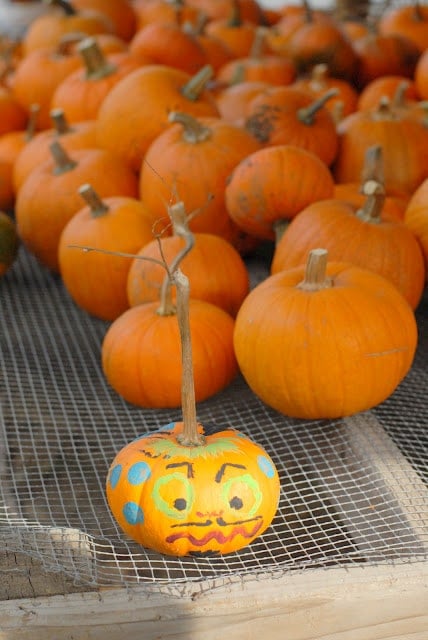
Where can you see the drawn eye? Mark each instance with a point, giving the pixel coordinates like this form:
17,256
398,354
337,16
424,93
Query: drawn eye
242,493
236,503
165,492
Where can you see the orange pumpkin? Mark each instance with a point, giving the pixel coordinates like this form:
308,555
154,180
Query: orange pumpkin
204,500
209,146
215,269
421,76
82,92
286,115
359,236
79,135
416,217
386,85
232,100
324,341
272,185
120,13
49,196
136,109
95,280
404,141
409,21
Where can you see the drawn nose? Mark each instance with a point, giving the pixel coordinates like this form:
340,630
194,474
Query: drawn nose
209,514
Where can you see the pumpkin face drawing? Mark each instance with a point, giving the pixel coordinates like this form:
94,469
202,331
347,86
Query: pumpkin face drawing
201,500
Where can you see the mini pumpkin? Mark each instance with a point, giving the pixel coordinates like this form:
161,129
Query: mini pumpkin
187,489
209,499
324,340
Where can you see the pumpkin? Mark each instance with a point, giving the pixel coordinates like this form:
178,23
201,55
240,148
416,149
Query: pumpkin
421,76
191,161
260,65
287,115
409,21
39,73
79,135
46,30
136,110
357,235
274,184
166,11
386,85
13,116
120,13
141,348
204,500
97,281
216,271
81,93
232,100
380,55
416,217
234,30
9,242
324,340
404,141
49,196
170,45
187,489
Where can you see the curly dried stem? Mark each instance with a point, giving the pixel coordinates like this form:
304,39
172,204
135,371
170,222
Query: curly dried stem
178,217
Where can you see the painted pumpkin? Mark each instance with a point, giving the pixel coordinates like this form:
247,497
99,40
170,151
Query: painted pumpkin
204,500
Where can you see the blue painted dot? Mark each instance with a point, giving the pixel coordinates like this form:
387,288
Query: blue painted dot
138,473
266,466
115,475
133,513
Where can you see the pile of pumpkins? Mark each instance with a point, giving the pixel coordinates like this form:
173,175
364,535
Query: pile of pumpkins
282,126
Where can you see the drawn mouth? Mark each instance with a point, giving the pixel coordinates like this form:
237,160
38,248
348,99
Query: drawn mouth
218,536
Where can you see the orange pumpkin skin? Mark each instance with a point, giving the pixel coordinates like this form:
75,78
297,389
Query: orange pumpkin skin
410,21
416,217
404,141
215,269
136,110
421,76
275,184
196,168
97,281
327,353
141,355
48,200
386,247
9,242
208,500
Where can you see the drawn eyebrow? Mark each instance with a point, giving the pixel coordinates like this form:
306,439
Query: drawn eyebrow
220,473
188,465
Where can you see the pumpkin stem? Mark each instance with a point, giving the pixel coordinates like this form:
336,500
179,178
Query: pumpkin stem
96,65
67,7
307,114
258,45
93,200
319,75
315,273
384,110
235,18
32,121
373,169
189,436
197,83
372,208
193,130
418,15
59,121
399,97
178,216
62,160
309,16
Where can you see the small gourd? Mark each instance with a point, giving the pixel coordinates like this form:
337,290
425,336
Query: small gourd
188,489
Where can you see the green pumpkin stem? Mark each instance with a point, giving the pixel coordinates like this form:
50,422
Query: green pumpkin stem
97,206
197,83
193,130
307,114
373,169
315,272
178,216
63,162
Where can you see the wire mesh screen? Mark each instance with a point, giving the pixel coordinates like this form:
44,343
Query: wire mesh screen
353,491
